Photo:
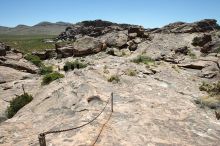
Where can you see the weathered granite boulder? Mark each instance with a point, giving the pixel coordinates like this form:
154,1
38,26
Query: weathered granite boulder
2,50
87,45
116,39
66,51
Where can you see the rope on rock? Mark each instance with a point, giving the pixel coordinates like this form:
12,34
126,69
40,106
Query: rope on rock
41,136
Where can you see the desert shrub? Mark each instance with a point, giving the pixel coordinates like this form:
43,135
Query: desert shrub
191,54
213,99
176,68
196,41
45,69
205,87
114,78
143,59
105,67
105,70
131,72
34,59
48,78
201,41
210,101
17,103
212,89
123,53
217,50
74,65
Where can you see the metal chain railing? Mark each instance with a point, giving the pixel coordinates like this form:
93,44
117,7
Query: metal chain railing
42,139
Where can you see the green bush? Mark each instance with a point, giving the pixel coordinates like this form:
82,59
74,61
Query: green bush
48,78
196,41
114,78
205,87
17,103
143,59
74,65
191,54
45,69
212,89
131,72
213,99
217,50
34,59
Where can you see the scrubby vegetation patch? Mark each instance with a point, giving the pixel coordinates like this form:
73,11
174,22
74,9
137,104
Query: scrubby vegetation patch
212,100
143,59
74,65
48,78
17,103
114,78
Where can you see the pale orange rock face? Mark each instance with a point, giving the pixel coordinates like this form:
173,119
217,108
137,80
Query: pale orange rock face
154,107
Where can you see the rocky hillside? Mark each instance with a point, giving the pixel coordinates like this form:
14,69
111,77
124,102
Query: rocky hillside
43,28
159,78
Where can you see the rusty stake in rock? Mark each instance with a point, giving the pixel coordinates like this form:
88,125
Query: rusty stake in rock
42,139
112,101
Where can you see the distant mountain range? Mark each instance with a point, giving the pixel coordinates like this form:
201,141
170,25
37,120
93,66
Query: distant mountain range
42,28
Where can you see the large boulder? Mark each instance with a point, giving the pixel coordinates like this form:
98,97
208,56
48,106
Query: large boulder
2,50
83,46
132,46
116,39
21,65
66,51
207,47
181,50
136,29
47,54
210,71
199,64
50,53
41,55
87,45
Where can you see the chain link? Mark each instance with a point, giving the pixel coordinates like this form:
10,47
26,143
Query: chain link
64,130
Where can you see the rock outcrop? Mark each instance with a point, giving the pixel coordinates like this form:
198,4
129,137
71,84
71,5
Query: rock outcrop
196,27
66,51
82,46
116,39
21,64
47,54
3,49
91,28
156,95
87,45
14,59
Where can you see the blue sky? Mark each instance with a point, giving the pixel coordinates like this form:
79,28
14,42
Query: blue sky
148,13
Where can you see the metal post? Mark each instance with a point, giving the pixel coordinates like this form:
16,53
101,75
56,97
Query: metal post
42,139
112,101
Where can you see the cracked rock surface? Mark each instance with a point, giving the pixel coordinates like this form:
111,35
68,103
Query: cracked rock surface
155,107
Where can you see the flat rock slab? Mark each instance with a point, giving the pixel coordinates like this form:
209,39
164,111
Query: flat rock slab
197,64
